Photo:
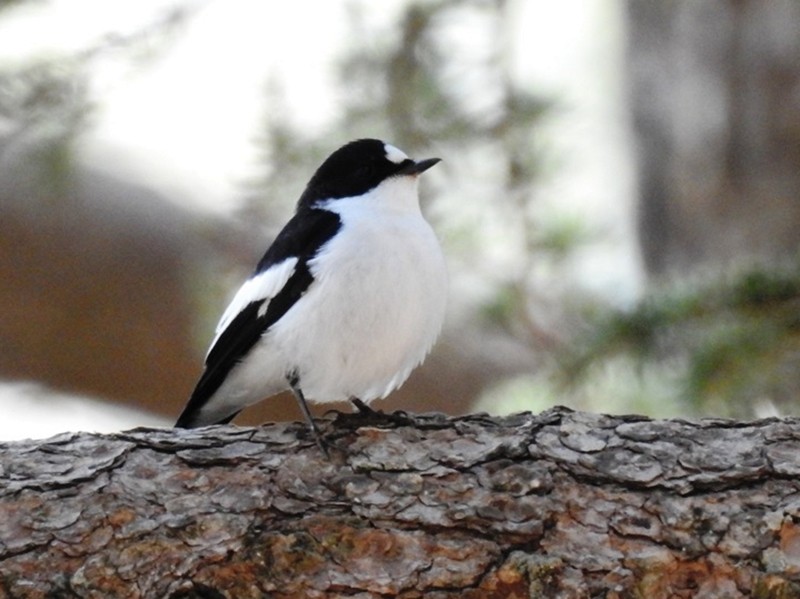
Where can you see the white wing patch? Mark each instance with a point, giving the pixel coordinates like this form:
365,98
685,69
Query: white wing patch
394,154
263,286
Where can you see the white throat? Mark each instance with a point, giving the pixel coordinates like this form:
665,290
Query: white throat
396,194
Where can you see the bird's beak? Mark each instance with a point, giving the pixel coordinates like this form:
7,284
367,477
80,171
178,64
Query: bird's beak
419,166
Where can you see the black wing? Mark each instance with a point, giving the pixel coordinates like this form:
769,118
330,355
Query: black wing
302,237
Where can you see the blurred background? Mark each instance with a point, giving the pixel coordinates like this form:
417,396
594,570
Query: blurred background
619,200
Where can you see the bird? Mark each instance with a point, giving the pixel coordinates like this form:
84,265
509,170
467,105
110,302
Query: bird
347,300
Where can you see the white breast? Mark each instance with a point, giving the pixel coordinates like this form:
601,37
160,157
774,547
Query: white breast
377,302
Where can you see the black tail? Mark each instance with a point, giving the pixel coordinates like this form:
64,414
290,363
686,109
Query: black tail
193,415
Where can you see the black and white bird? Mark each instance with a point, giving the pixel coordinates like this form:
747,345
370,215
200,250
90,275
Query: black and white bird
345,303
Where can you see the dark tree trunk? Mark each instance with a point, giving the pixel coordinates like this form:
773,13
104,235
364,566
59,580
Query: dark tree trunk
716,108
561,504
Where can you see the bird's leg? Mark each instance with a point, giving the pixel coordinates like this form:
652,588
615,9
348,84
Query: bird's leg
362,408
301,400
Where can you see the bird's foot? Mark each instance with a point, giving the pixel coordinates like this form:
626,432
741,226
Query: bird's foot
398,418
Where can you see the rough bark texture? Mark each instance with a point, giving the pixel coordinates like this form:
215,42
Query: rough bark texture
561,504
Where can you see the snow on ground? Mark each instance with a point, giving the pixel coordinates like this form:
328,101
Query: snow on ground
32,411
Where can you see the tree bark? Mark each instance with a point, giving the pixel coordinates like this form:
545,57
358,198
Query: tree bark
560,504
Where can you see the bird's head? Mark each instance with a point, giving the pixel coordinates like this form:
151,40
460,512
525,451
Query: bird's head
361,166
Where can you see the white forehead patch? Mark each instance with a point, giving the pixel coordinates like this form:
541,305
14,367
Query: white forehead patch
394,154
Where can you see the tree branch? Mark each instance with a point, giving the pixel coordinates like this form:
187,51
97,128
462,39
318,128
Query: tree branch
560,504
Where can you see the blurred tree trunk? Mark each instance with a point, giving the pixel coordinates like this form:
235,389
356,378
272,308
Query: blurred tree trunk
715,91
562,504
